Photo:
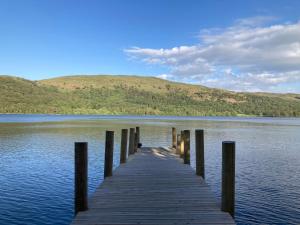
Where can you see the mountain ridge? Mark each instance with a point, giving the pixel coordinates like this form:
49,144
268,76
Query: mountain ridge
124,94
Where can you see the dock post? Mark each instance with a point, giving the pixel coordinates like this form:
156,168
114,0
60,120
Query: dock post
109,153
186,153
137,130
123,150
200,168
173,137
135,142
181,144
178,145
81,176
131,141
228,176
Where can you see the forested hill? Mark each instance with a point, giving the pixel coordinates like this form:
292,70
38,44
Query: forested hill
136,95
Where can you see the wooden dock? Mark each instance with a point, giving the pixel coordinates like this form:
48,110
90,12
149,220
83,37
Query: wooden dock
153,187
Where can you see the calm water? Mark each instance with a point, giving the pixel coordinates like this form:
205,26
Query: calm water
37,157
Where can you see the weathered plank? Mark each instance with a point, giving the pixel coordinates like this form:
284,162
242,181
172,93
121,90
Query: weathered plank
153,187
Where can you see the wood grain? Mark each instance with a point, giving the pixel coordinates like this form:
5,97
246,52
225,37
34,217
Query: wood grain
153,187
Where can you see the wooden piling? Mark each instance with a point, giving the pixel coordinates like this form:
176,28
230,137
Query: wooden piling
181,144
137,130
109,149
178,145
186,153
228,177
131,141
123,150
173,137
199,142
135,142
81,176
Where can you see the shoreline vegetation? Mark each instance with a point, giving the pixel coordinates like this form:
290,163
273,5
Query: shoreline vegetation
136,95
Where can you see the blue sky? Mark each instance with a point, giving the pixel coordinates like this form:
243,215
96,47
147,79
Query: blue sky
176,40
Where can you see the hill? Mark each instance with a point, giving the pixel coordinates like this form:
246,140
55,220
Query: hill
104,94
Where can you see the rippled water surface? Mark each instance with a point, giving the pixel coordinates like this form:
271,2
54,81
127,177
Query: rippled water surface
37,162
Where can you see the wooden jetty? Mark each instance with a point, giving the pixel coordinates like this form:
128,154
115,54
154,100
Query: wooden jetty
154,186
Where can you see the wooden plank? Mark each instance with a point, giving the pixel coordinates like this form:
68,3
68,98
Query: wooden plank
154,187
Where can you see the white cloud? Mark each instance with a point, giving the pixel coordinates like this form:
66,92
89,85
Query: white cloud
249,55
165,76
255,21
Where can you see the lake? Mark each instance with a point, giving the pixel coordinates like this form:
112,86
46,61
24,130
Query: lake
37,162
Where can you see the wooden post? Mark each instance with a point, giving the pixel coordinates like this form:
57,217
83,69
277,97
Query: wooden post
186,154
173,137
135,142
137,130
181,144
81,176
178,145
123,150
200,169
131,141
228,176
109,153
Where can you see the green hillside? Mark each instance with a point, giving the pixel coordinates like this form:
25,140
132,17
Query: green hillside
136,95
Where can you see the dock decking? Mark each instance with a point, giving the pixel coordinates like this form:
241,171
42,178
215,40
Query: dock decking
153,187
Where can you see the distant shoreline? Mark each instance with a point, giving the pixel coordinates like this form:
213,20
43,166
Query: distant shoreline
148,116
50,114
154,115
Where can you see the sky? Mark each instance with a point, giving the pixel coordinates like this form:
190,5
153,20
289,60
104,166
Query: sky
237,45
